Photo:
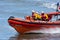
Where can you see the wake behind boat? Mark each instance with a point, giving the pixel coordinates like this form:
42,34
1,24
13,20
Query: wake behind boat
30,24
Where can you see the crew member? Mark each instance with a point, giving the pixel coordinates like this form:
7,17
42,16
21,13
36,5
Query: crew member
27,18
36,16
44,16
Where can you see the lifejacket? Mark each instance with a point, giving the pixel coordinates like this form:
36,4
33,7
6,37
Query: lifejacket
37,16
46,15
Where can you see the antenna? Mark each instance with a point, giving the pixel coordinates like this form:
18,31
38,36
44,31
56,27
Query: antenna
57,7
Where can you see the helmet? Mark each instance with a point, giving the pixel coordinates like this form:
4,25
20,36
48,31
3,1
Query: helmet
33,11
42,13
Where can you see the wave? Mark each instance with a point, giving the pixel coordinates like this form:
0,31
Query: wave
50,5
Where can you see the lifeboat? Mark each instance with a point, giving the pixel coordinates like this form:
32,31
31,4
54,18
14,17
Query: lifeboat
23,26
26,26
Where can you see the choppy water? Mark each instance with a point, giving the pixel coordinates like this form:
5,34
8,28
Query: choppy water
21,8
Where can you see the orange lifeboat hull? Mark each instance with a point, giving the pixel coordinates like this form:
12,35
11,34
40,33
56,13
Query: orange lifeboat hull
24,26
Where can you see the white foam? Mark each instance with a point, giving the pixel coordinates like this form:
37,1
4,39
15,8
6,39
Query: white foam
51,30
50,5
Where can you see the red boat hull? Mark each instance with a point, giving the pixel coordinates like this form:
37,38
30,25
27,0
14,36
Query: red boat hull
24,26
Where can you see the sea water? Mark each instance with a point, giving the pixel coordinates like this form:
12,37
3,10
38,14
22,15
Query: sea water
21,8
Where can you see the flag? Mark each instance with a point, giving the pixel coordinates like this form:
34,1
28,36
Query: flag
58,8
